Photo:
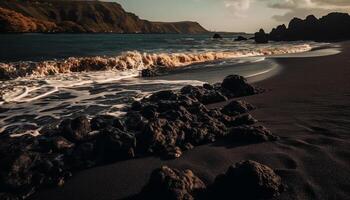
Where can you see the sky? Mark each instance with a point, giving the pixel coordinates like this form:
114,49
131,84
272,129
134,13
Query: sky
233,15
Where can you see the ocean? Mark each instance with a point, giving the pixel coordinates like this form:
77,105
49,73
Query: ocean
50,77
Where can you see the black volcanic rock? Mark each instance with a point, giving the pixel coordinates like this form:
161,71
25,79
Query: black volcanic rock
217,36
241,38
251,134
333,26
261,37
236,108
76,130
246,180
279,33
172,184
80,17
237,86
166,124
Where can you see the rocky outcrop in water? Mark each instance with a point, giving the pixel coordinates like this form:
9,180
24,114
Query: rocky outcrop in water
261,37
81,16
165,124
217,36
241,38
333,26
244,180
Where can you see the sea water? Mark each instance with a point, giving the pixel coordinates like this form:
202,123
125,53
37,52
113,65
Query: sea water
52,77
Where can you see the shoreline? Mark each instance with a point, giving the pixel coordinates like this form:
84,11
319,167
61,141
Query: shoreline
307,108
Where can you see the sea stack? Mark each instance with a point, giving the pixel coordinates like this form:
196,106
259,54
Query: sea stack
261,37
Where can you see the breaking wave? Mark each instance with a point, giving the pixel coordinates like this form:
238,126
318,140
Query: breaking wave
131,61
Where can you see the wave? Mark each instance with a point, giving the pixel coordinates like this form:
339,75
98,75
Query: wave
131,61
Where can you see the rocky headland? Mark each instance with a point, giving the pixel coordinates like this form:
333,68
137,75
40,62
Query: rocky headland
59,16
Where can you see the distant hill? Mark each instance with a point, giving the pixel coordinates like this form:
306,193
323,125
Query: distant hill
81,16
334,26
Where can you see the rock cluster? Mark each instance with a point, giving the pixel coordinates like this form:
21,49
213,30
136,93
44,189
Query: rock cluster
166,124
244,180
333,26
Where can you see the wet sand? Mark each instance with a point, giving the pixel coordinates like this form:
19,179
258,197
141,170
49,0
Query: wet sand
307,104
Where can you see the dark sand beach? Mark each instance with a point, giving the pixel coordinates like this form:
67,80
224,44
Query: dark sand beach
307,104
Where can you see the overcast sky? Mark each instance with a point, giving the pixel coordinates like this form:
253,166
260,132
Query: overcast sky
232,15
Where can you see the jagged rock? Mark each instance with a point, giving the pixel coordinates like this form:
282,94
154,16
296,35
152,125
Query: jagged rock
172,184
76,130
251,134
233,121
261,37
134,121
244,120
330,27
16,172
241,38
56,143
213,97
279,33
114,144
149,111
103,121
83,156
173,152
246,180
193,91
8,196
163,95
148,73
237,86
237,107
217,36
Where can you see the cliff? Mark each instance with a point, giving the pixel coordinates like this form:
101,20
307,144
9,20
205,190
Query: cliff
81,16
334,26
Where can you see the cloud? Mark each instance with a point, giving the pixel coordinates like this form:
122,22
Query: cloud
238,7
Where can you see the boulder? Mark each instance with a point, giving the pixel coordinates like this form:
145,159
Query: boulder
172,184
163,95
213,97
241,38
193,91
232,121
261,37
16,171
235,86
103,121
246,180
76,130
135,121
236,108
114,144
56,144
149,73
251,134
217,36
